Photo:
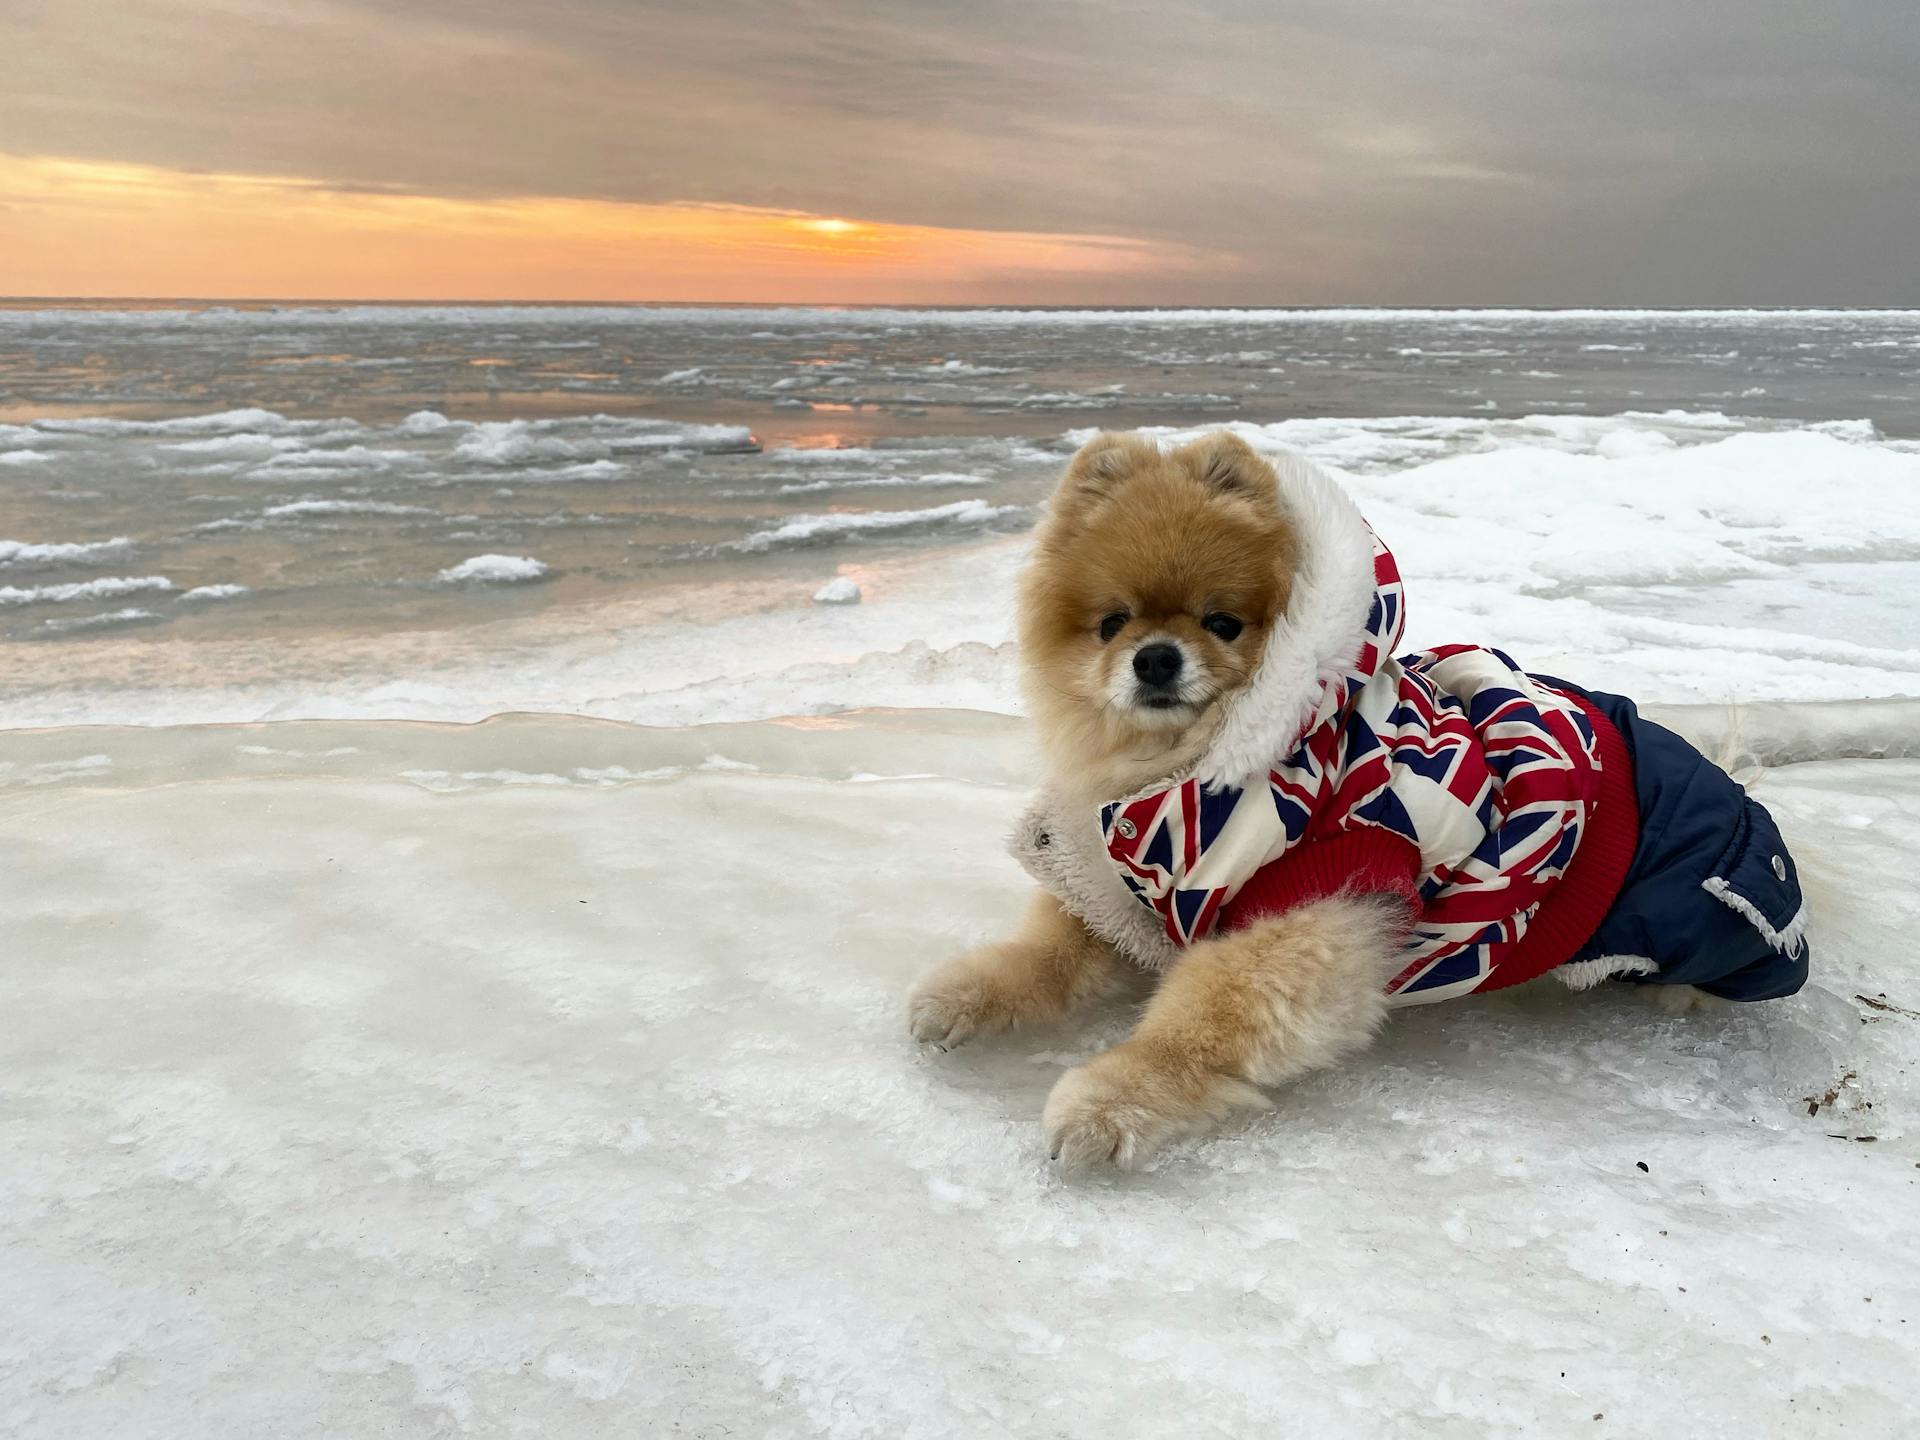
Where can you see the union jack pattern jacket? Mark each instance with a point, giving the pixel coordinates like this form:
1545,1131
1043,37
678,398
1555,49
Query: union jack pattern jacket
1497,805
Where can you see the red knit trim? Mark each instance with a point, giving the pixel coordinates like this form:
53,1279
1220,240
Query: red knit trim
1357,862
1576,905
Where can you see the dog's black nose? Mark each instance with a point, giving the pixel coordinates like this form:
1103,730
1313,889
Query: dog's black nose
1157,664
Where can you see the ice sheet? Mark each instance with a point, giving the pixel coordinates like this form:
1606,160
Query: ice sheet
569,1095
1673,556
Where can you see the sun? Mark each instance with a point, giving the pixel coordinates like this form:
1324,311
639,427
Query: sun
842,242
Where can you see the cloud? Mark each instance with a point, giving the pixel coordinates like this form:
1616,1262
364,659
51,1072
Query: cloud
1427,150
253,235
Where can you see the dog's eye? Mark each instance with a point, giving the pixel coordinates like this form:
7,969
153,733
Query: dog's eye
1112,625
1225,626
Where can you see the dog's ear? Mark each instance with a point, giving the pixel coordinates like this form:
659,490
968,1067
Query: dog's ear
1225,463
1100,466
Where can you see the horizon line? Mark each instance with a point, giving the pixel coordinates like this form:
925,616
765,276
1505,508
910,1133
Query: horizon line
531,302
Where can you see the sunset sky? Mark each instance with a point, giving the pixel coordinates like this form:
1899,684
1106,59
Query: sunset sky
964,151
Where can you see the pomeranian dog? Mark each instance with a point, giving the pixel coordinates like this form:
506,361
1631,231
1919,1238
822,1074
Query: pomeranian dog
1252,800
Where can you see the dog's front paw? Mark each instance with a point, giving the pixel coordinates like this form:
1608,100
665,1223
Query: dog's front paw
957,1002
1120,1107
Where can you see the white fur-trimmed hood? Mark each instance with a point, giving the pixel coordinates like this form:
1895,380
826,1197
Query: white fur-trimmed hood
1316,644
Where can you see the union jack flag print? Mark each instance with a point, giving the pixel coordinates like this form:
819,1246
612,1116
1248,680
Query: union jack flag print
1489,772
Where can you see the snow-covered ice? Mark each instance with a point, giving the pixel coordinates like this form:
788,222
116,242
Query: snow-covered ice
496,569
548,1077
25,555
824,529
1675,556
841,590
108,588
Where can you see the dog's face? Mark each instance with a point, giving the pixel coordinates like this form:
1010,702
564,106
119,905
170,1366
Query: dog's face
1155,581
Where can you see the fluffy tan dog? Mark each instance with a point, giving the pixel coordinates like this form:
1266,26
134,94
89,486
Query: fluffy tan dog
1155,582
1253,794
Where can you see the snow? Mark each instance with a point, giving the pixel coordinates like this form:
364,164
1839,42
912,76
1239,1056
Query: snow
341,1102
962,367
428,422
240,446
220,422
517,442
513,442
1672,555
27,555
304,463
821,529
265,445
841,590
494,568
102,589
61,623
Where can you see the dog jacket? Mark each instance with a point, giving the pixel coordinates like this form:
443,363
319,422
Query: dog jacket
1526,824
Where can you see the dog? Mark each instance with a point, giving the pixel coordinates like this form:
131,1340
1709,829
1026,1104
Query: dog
1251,800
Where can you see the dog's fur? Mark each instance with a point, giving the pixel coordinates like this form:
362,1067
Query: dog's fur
1167,541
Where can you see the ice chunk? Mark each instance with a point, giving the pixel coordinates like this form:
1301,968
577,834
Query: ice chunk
824,529
223,422
430,422
494,568
841,590
27,555
125,616
108,588
515,442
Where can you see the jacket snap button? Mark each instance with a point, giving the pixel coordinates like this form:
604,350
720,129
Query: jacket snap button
1126,829
1779,868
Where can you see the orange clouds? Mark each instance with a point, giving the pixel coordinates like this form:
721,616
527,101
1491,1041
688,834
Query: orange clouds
84,228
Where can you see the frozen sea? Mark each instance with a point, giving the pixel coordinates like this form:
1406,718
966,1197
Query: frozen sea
366,1074
239,514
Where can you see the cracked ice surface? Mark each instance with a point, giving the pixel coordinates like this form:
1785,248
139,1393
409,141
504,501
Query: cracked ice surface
548,1078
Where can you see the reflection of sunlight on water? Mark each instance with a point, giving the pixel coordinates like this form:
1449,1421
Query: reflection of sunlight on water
796,429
